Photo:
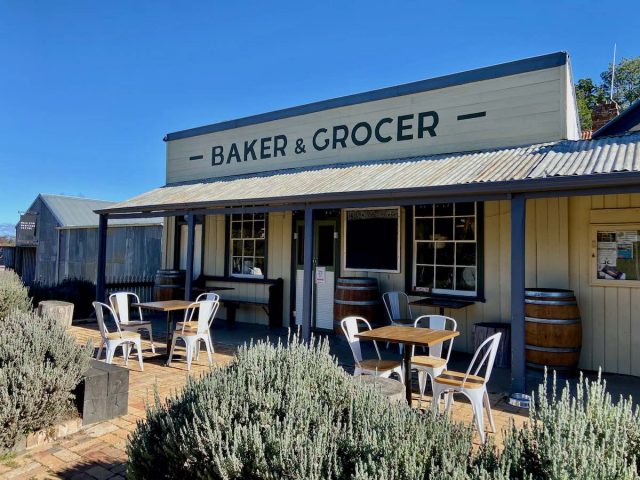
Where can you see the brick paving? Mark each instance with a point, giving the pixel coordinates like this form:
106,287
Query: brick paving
98,450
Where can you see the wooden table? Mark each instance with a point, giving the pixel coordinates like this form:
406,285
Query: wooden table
168,306
442,303
408,336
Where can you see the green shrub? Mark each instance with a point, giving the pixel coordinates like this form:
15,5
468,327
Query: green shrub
13,294
579,436
290,412
79,292
40,365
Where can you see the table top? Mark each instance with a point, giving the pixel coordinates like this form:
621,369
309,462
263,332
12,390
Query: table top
165,305
442,302
425,337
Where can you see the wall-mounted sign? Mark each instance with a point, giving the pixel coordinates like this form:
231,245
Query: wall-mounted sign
512,109
27,231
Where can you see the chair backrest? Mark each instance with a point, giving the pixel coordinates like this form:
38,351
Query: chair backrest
437,322
120,302
350,329
102,325
483,358
397,305
214,297
206,309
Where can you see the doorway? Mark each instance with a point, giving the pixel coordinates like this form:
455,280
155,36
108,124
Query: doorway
325,266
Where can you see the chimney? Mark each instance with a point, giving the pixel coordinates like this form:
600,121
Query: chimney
602,113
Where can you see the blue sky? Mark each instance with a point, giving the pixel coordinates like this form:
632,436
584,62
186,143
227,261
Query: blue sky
88,89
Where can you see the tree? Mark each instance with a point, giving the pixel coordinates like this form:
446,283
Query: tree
626,89
626,86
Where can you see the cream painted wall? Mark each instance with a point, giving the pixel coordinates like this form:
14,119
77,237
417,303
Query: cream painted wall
558,255
520,109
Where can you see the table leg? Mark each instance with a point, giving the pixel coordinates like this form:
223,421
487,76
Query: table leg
406,360
442,311
169,331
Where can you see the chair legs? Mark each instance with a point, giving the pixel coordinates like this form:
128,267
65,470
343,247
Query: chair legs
153,347
173,346
479,399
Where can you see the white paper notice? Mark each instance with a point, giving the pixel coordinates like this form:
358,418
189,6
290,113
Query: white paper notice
607,254
321,274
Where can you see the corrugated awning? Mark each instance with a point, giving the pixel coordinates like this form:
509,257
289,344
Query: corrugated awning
508,166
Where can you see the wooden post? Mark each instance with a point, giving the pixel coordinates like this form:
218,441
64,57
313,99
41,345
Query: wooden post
307,284
518,364
191,235
102,257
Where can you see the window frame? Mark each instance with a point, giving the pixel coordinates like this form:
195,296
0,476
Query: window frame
411,256
229,248
593,267
344,229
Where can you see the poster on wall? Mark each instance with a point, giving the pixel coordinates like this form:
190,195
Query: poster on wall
617,255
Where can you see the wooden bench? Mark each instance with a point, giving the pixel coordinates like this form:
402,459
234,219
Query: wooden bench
272,307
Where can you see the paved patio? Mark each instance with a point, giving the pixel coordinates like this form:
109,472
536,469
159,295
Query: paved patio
98,450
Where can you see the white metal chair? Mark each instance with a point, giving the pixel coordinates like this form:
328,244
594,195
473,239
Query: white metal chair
207,296
434,363
398,308
377,367
113,340
471,385
192,332
120,303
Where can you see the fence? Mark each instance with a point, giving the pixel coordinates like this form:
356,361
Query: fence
141,286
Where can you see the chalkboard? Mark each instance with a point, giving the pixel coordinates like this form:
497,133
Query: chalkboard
372,239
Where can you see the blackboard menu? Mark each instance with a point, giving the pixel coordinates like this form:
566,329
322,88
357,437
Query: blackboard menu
26,233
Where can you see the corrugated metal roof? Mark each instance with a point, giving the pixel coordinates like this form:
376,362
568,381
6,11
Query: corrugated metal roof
564,158
79,212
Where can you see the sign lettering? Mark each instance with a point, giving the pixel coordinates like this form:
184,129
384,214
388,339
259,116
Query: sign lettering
400,129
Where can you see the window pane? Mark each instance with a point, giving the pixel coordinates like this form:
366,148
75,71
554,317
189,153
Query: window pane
300,245
444,253
466,208
236,216
247,266
237,248
444,277
424,229
258,216
424,252
236,228
424,211
424,276
247,216
258,229
444,209
465,253
236,265
247,229
465,228
258,268
259,248
325,246
466,279
248,250
444,229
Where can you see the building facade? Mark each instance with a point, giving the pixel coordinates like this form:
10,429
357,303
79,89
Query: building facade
467,187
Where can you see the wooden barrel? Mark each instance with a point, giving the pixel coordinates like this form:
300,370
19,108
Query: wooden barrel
169,285
356,296
553,331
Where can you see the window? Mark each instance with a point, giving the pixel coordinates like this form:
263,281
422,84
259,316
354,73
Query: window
248,244
445,248
616,255
372,239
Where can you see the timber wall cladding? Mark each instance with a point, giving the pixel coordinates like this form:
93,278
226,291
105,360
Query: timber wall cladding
610,315
520,109
279,237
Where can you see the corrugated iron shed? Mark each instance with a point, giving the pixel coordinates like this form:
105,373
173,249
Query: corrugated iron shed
79,212
565,158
